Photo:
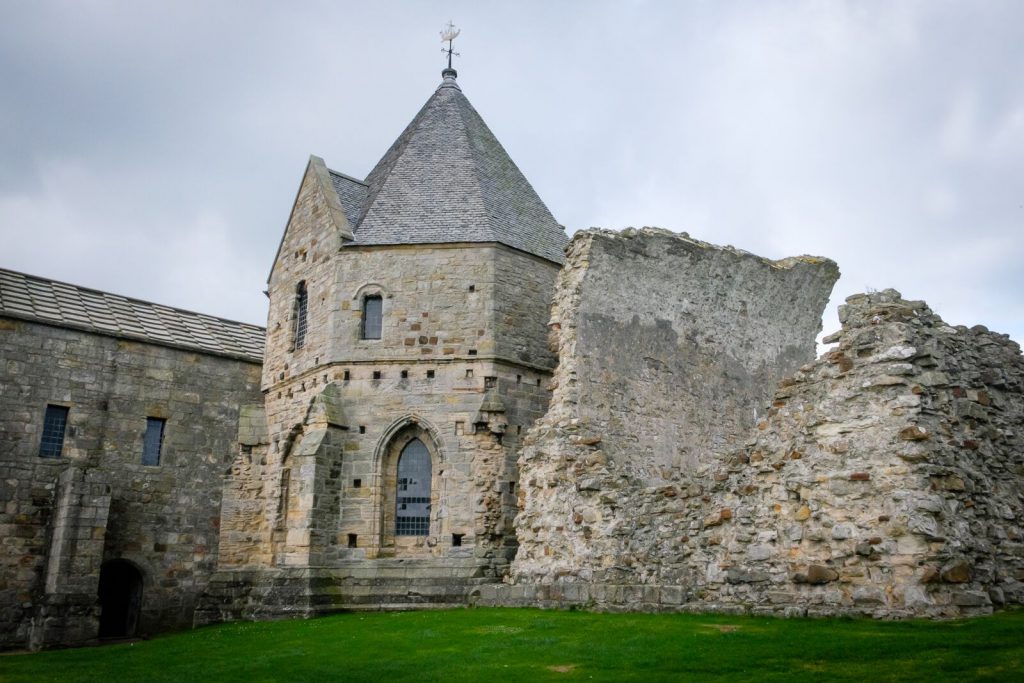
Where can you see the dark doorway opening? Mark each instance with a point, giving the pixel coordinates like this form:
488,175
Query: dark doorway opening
120,599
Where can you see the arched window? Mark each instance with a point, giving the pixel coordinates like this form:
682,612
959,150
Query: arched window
299,314
412,499
372,316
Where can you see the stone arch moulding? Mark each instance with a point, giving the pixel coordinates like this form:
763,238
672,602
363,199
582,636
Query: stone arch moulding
385,468
371,288
399,425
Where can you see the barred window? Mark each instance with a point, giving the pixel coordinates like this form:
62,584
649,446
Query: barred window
299,314
55,422
412,516
153,441
372,315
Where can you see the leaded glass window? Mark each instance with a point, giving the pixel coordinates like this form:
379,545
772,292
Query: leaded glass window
153,441
412,516
55,422
372,317
301,307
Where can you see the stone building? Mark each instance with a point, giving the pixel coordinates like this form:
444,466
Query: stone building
406,355
454,404
117,420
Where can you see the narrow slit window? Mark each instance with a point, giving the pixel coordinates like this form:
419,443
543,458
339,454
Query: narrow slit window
301,310
153,442
55,423
372,317
282,503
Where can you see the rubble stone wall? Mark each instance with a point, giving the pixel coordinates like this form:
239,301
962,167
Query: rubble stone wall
668,351
885,478
889,476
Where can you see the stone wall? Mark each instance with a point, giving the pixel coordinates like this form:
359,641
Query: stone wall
888,478
163,519
462,360
883,479
668,351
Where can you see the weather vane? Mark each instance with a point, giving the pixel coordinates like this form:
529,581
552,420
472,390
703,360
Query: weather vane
449,34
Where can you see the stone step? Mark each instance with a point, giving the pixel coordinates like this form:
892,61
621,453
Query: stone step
368,584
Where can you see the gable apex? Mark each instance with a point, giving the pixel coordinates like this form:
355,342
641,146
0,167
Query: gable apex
317,172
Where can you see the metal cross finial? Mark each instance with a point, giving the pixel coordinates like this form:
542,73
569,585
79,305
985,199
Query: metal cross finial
449,34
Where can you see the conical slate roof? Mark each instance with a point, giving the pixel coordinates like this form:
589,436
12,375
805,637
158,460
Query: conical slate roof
448,179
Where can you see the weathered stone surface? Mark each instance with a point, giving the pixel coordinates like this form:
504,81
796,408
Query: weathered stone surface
668,349
818,574
62,519
957,572
884,475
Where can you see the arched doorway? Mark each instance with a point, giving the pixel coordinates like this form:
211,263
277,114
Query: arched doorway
120,595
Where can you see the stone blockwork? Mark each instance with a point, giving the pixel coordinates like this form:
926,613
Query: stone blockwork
454,364
668,350
889,476
63,518
461,363
884,479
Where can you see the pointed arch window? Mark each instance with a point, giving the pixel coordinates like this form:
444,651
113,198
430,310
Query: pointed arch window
373,306
299,314
412,499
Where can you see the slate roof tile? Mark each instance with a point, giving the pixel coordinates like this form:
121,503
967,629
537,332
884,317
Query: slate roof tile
448,179
65,305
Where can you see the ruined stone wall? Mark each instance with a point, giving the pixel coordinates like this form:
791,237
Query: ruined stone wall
888,478
164,519
885,479
668,351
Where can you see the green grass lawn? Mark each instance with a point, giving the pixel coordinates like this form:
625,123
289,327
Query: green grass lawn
528,645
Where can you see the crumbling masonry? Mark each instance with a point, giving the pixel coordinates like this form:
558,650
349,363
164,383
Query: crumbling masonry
884,478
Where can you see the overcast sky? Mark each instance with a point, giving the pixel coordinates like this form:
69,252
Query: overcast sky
154,149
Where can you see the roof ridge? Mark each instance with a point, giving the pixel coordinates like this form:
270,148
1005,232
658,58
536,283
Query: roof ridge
65,305
477,160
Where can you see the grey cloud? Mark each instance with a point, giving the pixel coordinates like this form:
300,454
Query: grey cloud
154,149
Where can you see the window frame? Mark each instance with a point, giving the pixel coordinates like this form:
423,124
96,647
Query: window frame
419,462
300,315
363,327
147,453
51,415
